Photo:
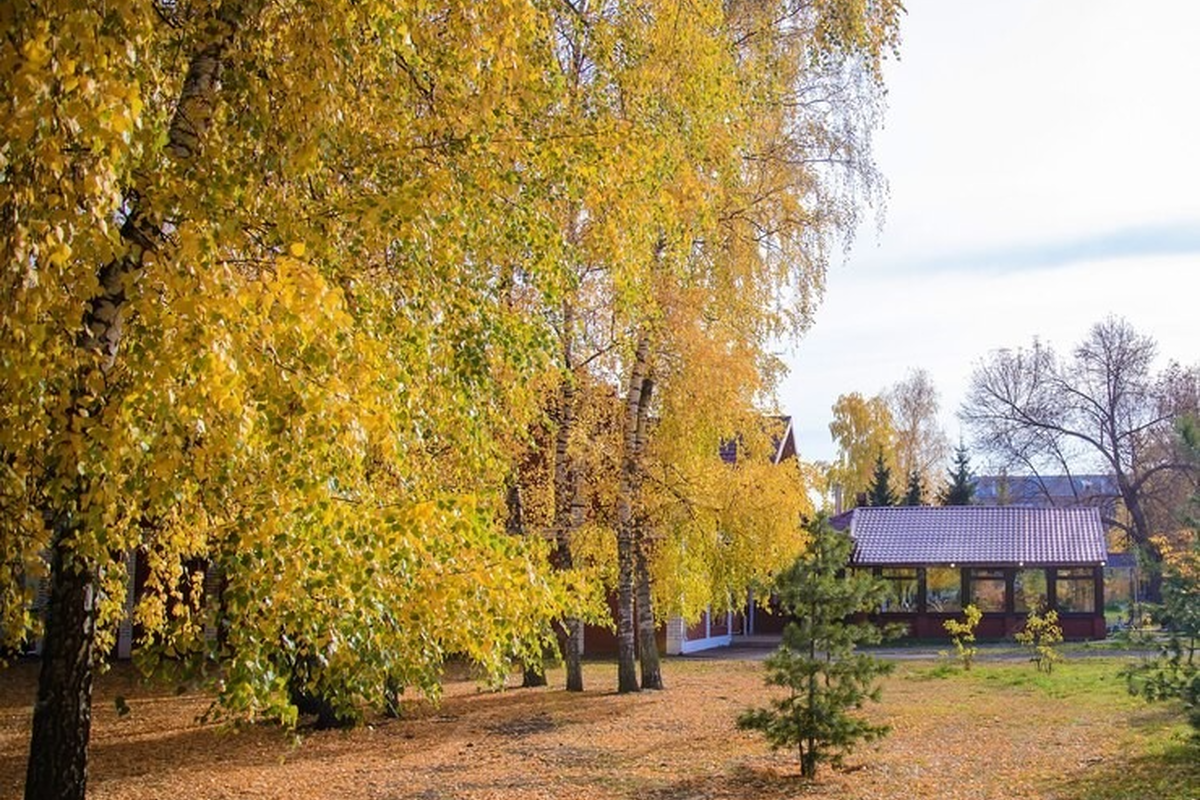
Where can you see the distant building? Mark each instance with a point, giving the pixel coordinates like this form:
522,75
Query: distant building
1048,491
1122,575
1007,561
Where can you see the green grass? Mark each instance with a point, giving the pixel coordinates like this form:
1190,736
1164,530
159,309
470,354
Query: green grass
1159,755
1165,764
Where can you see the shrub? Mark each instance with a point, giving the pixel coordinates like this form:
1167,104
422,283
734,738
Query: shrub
1040,634
962,634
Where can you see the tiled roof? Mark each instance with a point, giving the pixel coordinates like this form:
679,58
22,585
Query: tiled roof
966,535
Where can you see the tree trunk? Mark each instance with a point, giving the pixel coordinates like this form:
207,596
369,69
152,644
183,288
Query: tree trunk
627,488
62,716
534,673
565,494
574,654
58,746
533,676
647,641
1140,535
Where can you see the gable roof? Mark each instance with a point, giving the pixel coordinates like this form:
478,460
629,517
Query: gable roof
974,535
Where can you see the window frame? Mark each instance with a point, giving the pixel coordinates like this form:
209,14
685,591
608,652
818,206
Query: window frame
1083,575
913,575
972,576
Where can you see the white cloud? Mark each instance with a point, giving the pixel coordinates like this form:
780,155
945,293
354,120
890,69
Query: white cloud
874,329
1043,175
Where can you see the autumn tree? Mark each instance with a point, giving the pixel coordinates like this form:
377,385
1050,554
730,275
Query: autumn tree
1101,408
279,293
257,321
863,429
1175,674
759,182
959,489
920,443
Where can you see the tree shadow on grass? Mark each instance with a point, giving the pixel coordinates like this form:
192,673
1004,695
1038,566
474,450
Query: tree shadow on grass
744,783
1172,772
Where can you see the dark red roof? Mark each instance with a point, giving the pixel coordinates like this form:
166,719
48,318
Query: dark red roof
974,535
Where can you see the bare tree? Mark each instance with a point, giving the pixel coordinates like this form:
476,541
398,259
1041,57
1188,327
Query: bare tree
1102,408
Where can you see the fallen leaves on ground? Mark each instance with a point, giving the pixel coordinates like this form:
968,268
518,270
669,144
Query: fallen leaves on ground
952,738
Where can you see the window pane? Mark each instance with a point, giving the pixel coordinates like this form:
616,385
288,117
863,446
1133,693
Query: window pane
1029,590
987,589
902,590
1075,593
943,589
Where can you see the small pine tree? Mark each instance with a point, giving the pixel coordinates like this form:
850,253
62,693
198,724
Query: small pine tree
880,493
961,488
826,679
915,496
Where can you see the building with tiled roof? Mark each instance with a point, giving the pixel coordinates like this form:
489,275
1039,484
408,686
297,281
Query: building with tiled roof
1048,491
1006,560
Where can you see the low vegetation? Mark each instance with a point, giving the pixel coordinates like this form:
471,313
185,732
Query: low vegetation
962,634
1040,636
1002,730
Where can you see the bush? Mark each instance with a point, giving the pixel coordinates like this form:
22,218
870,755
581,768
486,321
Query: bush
1040,634
1175,673
962,634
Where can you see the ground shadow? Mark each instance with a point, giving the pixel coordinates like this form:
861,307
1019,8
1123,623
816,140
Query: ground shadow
743,783
1172,774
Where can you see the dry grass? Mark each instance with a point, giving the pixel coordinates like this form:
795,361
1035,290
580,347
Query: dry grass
996,733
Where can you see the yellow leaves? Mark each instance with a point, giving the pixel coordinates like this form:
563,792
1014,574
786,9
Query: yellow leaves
59,254
328,356
35,49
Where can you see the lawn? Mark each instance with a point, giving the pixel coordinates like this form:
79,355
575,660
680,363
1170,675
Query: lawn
1000,731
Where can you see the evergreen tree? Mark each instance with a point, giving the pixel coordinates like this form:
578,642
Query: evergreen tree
1175,674
817,662
961,488
915,496
880,493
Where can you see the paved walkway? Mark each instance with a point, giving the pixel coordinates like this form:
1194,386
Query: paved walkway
756,648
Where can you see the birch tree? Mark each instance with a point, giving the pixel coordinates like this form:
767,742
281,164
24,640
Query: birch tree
251,319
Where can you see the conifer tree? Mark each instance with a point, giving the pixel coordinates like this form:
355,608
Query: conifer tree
826,679
880,492
915,496
961,488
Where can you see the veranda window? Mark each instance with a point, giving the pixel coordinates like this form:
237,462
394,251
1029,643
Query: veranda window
987,589
1029,590
1075,590
943,590
901,593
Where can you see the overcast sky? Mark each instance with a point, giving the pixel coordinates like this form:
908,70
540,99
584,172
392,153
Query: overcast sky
1043,160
